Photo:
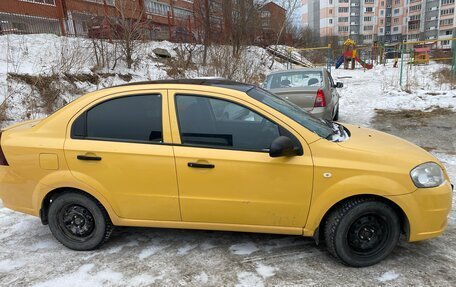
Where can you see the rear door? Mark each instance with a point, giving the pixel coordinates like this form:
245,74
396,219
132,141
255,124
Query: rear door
224,170
119,146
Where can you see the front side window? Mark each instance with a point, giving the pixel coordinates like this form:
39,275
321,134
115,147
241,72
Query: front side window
205,121
129,119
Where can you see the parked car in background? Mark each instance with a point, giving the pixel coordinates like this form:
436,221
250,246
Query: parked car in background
310,88
220,155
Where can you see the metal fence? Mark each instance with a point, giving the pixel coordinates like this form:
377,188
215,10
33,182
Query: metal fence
49,17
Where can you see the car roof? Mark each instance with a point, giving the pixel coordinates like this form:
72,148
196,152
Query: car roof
214,82
298,70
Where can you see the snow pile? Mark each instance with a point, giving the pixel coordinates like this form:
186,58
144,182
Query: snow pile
367,90
287,50
35,67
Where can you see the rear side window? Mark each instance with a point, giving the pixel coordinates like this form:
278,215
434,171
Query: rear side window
129,119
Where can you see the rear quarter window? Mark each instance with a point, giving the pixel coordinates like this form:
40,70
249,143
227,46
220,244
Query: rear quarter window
129,118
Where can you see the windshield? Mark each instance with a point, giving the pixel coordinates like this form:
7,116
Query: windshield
296,79
294,112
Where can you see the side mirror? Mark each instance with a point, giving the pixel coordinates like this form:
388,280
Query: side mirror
339,85
282,146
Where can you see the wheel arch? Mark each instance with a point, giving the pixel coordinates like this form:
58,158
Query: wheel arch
52,194
405,225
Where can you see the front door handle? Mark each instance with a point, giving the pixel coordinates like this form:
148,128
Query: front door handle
87,157
200,165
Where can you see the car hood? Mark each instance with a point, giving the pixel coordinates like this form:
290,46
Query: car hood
384,147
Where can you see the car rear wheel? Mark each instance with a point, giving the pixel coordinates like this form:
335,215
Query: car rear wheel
362,232
78,221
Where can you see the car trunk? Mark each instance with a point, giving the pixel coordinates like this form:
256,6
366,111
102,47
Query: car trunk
303,96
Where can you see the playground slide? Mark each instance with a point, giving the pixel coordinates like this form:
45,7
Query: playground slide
364,64
339,61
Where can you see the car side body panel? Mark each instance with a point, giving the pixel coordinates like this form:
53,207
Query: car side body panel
38,165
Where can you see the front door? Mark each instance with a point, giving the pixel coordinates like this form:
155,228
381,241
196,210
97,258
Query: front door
120,147
224,170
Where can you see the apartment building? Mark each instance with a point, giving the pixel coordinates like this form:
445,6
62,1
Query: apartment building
165,18
386,21
32,16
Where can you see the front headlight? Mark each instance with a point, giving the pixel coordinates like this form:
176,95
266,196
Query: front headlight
427,174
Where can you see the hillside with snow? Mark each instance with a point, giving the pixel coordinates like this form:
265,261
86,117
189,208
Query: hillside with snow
40,73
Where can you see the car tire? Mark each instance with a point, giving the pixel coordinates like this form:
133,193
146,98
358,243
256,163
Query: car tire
336,116
362,231
78,221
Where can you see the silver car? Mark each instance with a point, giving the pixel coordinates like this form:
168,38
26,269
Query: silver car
310,88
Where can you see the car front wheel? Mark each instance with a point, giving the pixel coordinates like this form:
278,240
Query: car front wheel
78,221
362,232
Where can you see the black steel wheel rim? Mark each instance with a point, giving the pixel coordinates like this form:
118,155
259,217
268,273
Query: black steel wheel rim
368,235
77,222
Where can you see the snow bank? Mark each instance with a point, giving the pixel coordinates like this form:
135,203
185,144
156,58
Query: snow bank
70,60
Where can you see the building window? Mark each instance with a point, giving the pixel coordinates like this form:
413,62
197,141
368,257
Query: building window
48,2
445,2
369,1
447,11
108,2
415,8
182,13
265,14
343,9
343,28
369,9
446,22
368,28
157,8
343,19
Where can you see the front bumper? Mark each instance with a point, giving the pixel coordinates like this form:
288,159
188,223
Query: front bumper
427,210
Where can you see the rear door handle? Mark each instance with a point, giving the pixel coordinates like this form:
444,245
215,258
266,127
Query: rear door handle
200,165
90,158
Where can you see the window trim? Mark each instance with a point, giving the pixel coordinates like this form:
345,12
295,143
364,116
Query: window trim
84,114
280,127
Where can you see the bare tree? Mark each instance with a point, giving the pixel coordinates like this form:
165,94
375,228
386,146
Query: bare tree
242,19
203,10
129,27
291,7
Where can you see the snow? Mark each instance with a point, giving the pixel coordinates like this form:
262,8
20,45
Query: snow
45,55
84,275
9,265
365,91
249,279
151,250
243,248
388,276
265,271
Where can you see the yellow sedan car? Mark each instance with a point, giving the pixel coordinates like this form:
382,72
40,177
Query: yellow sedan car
220,155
